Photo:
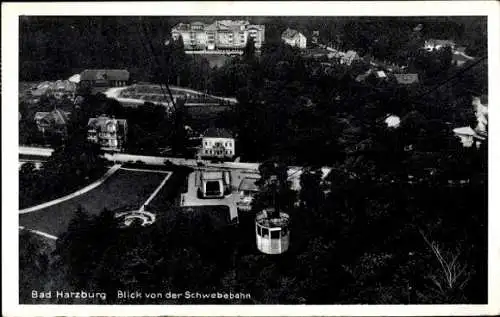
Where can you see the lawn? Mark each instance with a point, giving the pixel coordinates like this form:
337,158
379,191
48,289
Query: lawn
169,195
123,189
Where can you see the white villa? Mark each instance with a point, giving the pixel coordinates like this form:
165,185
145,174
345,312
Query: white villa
217,143
109,133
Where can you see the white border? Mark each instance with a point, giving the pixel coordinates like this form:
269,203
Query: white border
10,13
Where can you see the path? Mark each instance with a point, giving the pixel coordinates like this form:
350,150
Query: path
115,93
88,188
155,192
40,233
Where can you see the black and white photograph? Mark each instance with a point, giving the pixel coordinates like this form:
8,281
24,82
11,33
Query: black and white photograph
218,158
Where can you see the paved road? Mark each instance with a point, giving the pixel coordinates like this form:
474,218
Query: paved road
294,171
38,151
191,198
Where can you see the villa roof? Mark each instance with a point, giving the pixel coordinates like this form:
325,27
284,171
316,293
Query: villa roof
217,133
211,27
103,120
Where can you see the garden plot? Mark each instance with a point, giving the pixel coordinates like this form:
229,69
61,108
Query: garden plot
129,189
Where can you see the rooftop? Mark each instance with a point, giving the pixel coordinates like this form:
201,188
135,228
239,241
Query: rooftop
212,175
217,133
465,131
101,121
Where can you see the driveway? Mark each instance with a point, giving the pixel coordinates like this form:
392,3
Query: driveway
191,199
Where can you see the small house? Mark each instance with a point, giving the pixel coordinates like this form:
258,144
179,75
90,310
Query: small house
53,122
294,38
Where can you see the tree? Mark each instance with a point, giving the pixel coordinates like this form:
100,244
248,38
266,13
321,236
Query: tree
275,191
311,193
249,50
34,263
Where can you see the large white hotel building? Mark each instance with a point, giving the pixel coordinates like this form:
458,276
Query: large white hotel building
220,35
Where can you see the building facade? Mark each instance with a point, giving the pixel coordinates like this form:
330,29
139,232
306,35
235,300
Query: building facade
220,35
217,143
109,133
294,38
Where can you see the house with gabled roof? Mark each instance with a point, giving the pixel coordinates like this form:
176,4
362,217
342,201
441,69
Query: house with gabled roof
53,122
294,38
110,133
